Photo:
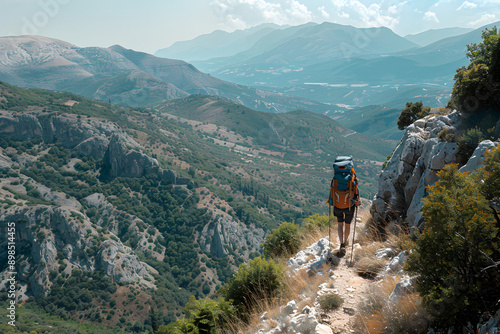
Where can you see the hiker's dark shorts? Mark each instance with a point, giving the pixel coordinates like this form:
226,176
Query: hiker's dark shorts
344,215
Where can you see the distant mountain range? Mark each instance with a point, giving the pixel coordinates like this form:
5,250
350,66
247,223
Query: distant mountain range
217,44
122,76
339,64
433,35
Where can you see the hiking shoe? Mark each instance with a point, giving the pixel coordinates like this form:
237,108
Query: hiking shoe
341,252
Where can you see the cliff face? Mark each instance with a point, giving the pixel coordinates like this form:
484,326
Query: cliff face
414,165
122,156
61,239
89,137
225,235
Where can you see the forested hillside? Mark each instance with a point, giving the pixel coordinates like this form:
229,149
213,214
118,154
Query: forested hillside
149,206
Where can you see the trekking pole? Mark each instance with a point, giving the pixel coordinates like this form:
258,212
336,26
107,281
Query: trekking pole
354,233
329,226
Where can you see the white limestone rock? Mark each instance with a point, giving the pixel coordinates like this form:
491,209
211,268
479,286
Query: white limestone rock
323,329
311,257
304,323
402,288
476,160
413,166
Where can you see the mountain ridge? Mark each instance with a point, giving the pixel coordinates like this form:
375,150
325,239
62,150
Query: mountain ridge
430,36
107,74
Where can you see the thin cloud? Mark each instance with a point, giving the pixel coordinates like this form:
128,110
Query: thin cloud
323,12
369,16
484,19
431,16
246,13
395,9
466,5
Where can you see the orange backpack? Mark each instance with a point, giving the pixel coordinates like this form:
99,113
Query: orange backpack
344,184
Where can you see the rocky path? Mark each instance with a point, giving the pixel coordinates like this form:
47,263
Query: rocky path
352,288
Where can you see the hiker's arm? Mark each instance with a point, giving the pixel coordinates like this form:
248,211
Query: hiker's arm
357,199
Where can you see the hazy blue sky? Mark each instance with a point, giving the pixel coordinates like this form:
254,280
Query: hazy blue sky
149,25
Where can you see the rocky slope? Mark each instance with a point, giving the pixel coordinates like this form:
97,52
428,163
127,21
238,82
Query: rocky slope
79,181
414,165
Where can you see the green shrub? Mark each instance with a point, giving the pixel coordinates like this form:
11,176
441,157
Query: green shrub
411,113
284,241
259,280
456,254
447,135
468,143
330,302
491,185
315,223
477,87
203,316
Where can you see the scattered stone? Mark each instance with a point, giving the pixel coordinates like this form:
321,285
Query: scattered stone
402,288
304,323
323,329
290,307
349,310
384,253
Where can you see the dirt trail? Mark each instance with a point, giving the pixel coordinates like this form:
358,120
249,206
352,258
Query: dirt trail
352,288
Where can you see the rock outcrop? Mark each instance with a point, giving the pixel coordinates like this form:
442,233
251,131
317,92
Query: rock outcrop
224,235
414,165
111,218
89,137
119,161
58,236
122,156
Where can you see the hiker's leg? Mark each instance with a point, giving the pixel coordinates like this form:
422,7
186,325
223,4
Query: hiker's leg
340,230
347,231
349,215
340,220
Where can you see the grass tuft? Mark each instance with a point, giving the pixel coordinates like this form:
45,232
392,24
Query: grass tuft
330,302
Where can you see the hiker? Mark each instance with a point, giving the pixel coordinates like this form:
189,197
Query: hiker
344,197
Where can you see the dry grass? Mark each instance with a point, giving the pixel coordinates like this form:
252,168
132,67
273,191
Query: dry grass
299,286
369,266
303,287
379,315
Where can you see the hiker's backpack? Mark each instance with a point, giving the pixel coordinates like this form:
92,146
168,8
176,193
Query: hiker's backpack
344,183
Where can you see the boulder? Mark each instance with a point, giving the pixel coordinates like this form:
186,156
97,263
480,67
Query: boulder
384,253
397,263
476,160
323,329
289,308
304,323
312,257
402,288
412,167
